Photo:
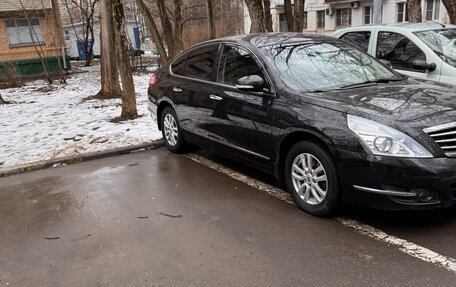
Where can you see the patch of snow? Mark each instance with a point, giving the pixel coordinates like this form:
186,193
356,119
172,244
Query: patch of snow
43,124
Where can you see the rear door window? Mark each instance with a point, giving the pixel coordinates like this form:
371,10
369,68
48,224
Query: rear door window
201,62
399,50
178,66
358,39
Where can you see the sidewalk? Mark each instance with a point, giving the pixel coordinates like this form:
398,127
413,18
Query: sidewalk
43,124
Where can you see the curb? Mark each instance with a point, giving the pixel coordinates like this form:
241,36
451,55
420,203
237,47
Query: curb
79,158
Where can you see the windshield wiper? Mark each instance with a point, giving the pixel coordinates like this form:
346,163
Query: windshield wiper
370,82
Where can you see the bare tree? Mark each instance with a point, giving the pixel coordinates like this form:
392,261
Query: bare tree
414,11
288,14
38,46
83,12
256,12
129,110
154,30
166,26
110,87
298,17
450,6
178,25
267,15
210,19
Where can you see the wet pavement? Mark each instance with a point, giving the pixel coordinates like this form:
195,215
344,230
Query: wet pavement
158,219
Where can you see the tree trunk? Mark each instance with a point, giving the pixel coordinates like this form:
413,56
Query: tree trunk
110,87
414,11
298,19
288,14
167,27
178,24
154,31
256,13
450,6
210,19
128,96
267,15
61,38
87,51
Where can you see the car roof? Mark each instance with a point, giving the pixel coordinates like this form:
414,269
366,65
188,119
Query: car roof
266,39
412,27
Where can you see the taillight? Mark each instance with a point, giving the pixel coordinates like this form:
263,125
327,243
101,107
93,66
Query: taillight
153,80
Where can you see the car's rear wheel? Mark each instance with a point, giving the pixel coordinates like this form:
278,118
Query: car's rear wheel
172,133
311,178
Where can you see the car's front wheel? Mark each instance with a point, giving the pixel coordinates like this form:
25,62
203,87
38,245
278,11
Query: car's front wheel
172,133
311,178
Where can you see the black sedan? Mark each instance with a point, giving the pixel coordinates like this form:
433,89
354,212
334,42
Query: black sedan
328,120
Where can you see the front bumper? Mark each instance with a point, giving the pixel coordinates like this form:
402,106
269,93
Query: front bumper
397,183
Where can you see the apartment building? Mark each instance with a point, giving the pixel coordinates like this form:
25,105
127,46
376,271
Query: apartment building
326,16
29,37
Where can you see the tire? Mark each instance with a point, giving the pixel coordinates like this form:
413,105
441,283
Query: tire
315,186
172,132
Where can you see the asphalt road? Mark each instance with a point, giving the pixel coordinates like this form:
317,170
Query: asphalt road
158,219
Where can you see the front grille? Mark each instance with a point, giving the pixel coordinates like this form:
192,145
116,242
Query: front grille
445,137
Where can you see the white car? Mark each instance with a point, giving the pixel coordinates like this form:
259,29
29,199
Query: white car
424,50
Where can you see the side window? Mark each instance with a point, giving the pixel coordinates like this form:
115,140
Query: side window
200,63
236,63
358,39
178,66
399,50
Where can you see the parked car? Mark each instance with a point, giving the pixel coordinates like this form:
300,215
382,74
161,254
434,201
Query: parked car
136,52
424,50
330,121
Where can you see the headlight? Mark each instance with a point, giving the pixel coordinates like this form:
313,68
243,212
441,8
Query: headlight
383,140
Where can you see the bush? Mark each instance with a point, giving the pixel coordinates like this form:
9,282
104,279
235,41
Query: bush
10,76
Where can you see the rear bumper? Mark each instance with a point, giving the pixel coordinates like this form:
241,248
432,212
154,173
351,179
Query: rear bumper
152,106
397,183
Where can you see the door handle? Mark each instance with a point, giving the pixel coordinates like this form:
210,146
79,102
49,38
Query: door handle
177,90
215,97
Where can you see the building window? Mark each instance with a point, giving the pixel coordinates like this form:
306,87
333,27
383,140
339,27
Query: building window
343,17
23,32
432,10
321,19
283,24
402,13
368,15
304,25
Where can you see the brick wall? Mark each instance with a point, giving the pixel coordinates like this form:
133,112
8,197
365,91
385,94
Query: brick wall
50,47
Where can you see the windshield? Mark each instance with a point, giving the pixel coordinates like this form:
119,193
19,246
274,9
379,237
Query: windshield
314,66
442,42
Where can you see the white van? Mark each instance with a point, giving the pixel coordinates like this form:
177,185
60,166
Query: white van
425,50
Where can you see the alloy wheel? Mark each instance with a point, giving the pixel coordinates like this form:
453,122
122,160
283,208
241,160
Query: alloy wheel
170,129
309,178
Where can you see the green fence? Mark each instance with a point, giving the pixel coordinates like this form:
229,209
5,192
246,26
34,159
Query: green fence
31,67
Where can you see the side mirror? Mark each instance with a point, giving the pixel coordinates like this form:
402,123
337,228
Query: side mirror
252,83
423,65
386,63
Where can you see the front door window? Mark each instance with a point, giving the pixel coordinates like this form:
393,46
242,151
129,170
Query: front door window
236,63
399,50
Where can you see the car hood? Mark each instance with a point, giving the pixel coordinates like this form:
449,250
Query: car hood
415,102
